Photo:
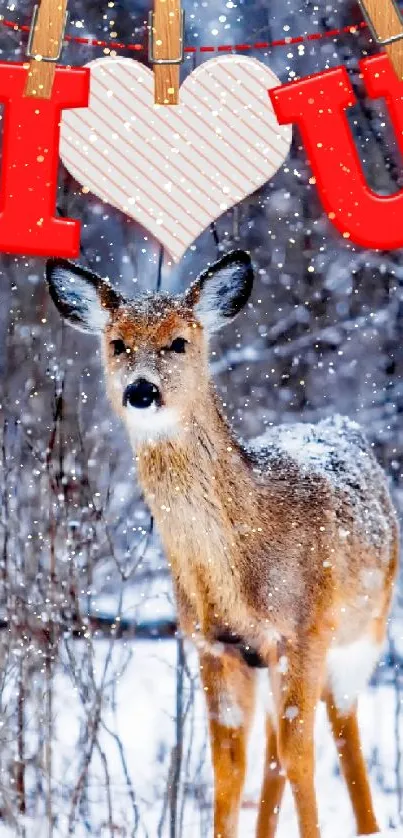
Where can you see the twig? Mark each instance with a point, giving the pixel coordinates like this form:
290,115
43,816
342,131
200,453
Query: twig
178,747
130,788
108,788
398,719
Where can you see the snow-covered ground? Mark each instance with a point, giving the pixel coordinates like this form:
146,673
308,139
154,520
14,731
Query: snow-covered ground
141,711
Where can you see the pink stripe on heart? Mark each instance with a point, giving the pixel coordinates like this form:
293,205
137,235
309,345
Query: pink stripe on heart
175,169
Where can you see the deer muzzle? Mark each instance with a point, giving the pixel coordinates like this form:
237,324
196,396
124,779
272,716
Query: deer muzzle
142,394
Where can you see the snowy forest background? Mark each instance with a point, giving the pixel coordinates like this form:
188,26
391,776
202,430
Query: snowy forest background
102,727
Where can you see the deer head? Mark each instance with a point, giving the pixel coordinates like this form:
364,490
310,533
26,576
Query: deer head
155,347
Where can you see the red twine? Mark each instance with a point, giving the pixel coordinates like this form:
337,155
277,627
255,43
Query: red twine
283,42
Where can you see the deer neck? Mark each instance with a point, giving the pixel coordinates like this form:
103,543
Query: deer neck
201,462
206,501
200,488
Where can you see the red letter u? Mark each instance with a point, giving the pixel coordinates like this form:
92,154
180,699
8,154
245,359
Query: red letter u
318,104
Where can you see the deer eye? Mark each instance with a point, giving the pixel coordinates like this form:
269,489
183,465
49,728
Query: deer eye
118,347
178,345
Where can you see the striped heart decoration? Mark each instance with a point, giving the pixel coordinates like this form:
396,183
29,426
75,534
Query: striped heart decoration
174,169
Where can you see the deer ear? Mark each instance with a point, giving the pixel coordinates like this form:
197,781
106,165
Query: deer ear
221,291
82,297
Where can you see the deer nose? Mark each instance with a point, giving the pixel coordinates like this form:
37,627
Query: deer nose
141,394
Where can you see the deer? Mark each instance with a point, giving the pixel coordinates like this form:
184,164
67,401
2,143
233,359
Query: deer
283,550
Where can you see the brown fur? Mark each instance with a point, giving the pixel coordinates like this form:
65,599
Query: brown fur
262,547
237,539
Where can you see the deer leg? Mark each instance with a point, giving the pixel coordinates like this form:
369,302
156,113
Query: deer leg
347,738
274,775
229,686
300,694
273,785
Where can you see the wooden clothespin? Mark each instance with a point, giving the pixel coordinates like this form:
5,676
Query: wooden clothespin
165,49
386,25
44,46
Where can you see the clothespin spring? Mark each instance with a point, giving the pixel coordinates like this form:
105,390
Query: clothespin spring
151,53
371,26
31,36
